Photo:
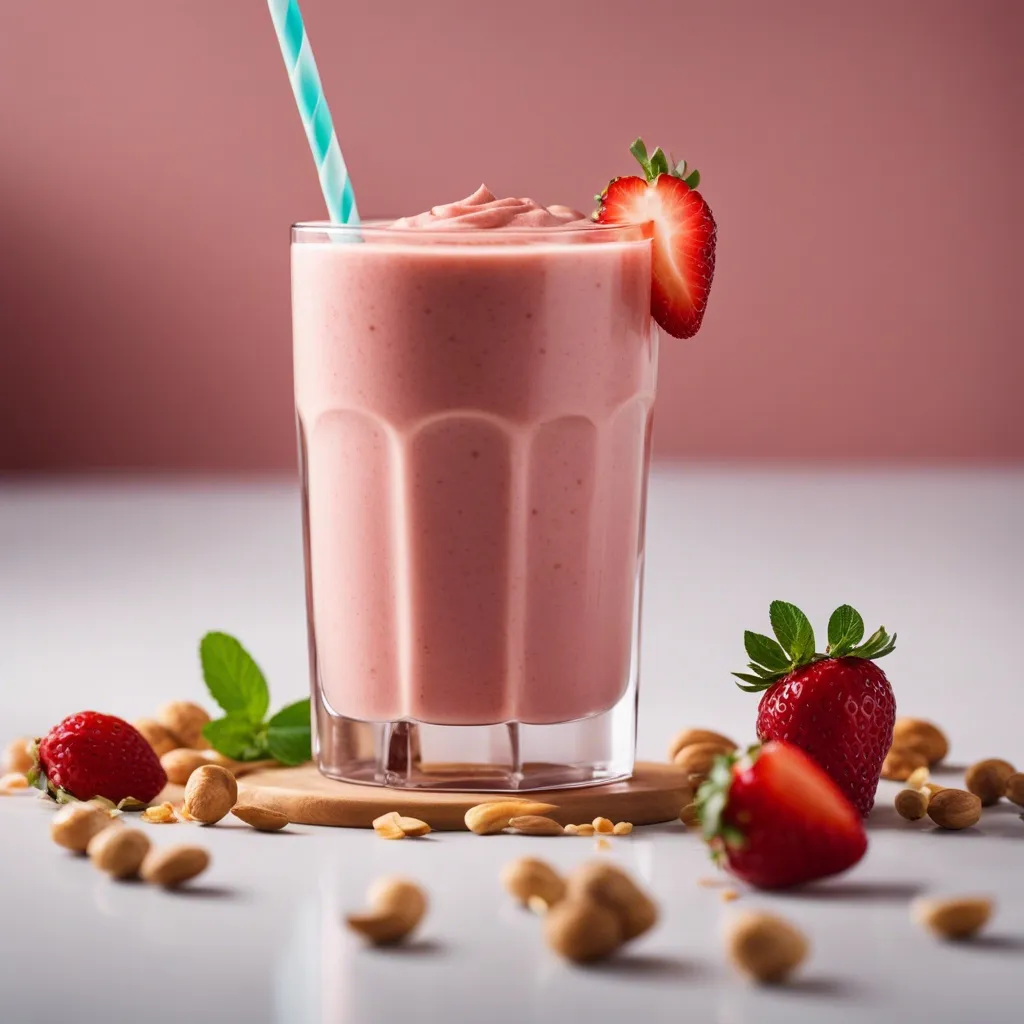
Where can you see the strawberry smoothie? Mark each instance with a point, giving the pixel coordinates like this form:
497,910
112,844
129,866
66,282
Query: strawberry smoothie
473,389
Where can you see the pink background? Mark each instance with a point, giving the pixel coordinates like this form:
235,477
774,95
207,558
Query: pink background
864,162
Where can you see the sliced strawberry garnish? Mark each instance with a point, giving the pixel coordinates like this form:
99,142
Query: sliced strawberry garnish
684,236
777,819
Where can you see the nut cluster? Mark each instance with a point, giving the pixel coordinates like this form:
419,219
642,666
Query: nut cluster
396,826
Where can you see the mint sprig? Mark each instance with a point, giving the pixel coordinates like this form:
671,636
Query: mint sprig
239,687
793,648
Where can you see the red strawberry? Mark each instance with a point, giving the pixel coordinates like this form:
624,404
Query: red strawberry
837,706
684,235
777,819
92,755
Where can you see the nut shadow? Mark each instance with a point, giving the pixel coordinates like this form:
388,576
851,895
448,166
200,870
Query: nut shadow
205,892
856,892
825,986
652,966
996,943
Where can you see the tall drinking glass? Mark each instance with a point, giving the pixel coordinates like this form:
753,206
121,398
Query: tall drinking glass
474,418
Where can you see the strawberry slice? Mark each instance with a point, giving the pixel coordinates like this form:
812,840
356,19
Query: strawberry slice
684,235
777,819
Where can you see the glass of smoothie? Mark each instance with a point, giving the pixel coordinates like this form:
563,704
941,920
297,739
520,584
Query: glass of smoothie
473,390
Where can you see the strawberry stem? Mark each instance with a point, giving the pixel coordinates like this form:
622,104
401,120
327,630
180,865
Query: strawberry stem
658,163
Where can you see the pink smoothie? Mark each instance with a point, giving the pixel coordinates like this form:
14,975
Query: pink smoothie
474,403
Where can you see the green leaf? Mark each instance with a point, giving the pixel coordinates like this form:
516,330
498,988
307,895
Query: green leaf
794,631
757,684
235,736
765,651
692,179
288,734
845,630
234,680
659,162
680,170
639,150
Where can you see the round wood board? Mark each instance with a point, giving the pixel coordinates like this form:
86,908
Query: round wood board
655,793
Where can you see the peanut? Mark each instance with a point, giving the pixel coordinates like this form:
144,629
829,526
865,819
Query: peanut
622,828
688,737
74,825
911,804
413,827
536,825
158,736
263,819
173,865
211,791
901,762
987,780
119,851
397,906
492,817
1015,788
582,930
160,814
18,756
921,736
12,781
954,809
697,759
764,947
612,888
387,827
528,878
585,829
571,830
956,918
186,721
603,826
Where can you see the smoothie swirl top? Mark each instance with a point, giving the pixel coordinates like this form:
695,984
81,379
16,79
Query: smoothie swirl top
484,210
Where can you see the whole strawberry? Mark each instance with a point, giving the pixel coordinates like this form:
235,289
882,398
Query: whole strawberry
92,755
777,820
837,706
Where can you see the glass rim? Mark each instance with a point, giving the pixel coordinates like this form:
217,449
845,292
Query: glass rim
383,229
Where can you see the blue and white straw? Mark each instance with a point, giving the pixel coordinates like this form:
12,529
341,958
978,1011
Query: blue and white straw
316,118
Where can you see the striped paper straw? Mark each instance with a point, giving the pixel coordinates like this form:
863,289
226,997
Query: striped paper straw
316,118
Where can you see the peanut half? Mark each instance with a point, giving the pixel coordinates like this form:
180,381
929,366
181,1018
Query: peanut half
764,947
393,825
172,866
536,825
160,814
211,791
987,780
263,819
957,918
492,817
921,736
528,878
119,851
604,826
74,825
622,828
954,809
688,737
397,905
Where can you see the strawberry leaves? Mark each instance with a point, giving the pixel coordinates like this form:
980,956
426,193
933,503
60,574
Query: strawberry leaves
658,163
771,660
236,683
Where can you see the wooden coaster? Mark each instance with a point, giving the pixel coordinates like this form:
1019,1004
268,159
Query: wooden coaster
655,793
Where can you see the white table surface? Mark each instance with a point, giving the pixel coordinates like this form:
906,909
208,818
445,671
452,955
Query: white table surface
105,589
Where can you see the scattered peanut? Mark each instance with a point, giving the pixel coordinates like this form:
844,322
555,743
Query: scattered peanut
957,918
536,825
689,817
571,830
728,895
413,827
917,778
186,721
171,866
954,809
764,947
74,825
987,780
688,737
119,851
263,819
158,736
698,758
211,791
584,830
582,930
603,825
901,762
160,814
12,781
911,804
397,905
622,828
921,736
18,756
1015,788
528,878
387,827
492,817
602,845
611,887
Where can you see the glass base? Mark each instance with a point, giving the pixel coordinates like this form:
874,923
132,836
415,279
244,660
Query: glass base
512,756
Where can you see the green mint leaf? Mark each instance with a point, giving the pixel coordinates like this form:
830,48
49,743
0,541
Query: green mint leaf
794,631
845,630
237,737
692,179
234,680
288,734
659,162
765,651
